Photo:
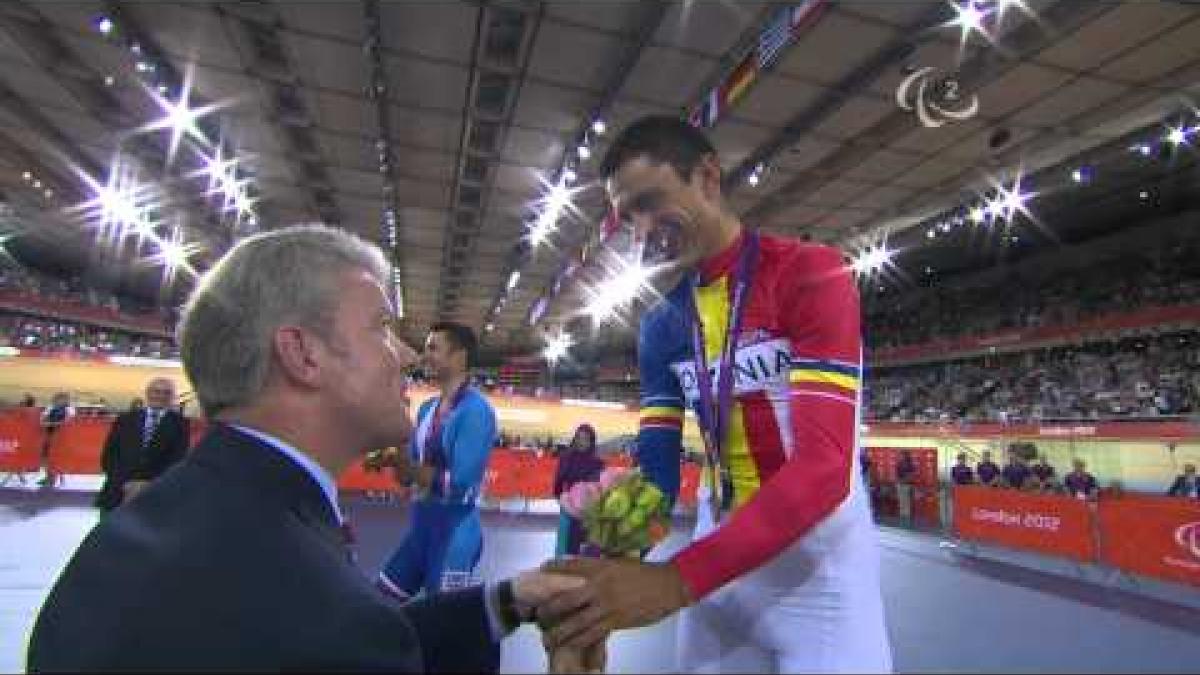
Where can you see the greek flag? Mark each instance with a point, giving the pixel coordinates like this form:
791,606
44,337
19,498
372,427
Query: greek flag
782,28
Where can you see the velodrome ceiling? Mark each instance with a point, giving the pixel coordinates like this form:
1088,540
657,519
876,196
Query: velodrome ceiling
451,115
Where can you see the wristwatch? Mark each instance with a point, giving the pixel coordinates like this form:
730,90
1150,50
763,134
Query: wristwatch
509,611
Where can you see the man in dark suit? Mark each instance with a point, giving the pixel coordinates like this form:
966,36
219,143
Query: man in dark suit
1187,484
234,559
142,444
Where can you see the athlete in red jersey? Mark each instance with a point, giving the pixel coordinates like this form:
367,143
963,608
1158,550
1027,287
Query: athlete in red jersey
782,574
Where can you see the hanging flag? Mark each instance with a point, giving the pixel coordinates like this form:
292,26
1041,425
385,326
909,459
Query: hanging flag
783,28
774,38
706,114
739,81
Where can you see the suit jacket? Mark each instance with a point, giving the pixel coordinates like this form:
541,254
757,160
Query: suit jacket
234,559
1179,488
126,457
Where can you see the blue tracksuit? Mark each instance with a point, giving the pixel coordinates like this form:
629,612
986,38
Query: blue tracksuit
445,538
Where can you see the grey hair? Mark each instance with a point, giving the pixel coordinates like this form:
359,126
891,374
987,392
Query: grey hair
283,277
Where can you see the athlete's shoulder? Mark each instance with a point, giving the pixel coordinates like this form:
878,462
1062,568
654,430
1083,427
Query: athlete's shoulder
801,263
665,315
804,255
477,399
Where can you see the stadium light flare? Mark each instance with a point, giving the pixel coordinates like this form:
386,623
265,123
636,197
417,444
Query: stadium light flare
627,279
179,117
556,200
969,18
872,259
1177,136
557,346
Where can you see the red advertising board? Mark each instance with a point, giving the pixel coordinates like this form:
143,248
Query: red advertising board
1154,536
1048,524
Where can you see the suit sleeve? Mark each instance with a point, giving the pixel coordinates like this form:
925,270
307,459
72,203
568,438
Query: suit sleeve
819,312
474,433
454,632
660,424
1176,488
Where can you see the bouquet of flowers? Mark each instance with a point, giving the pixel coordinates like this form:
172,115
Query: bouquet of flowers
623,515
378,460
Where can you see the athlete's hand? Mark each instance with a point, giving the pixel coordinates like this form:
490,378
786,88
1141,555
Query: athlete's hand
618,594
422,476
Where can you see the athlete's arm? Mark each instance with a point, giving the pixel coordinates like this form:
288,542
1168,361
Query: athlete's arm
473,439
660,426
820,312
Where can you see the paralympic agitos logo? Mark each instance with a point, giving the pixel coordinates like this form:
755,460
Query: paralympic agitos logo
1188,538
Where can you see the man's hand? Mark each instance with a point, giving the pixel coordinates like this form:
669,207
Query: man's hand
618,594
532,588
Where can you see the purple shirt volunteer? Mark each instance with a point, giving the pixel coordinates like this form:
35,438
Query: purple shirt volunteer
962,475
987,471
1015,475
1080,482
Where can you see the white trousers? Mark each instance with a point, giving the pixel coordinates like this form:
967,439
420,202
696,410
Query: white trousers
814,608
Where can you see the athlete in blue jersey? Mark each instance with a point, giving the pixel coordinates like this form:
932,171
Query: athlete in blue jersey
449,452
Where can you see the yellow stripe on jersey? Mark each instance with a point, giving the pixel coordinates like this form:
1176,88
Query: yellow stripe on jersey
801,375
661,411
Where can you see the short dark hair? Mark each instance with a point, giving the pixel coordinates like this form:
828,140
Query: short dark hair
462,337
660,138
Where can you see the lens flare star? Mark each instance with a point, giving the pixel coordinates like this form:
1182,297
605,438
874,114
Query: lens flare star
179,117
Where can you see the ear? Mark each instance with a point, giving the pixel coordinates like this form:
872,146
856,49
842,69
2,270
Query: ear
299,355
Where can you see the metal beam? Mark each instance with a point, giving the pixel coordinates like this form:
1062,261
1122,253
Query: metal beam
483,119
649,18
256,26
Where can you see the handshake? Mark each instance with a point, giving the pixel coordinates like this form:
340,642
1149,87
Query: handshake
578,602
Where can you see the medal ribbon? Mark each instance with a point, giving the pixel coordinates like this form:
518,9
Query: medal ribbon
433,452
714,412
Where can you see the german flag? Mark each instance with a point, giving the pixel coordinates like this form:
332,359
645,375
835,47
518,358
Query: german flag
739,81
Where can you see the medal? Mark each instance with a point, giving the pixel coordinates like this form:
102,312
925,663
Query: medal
715,407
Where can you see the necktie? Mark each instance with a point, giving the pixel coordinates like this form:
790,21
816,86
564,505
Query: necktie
151,425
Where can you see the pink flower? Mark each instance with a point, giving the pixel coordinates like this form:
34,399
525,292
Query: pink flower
610,476
577,500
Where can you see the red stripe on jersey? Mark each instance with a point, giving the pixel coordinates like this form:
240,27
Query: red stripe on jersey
674,422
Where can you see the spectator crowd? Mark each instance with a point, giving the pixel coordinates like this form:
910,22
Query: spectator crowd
1162,276
1148,376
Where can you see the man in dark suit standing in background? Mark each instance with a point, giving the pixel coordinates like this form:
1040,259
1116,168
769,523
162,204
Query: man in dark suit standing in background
142,444
235,559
